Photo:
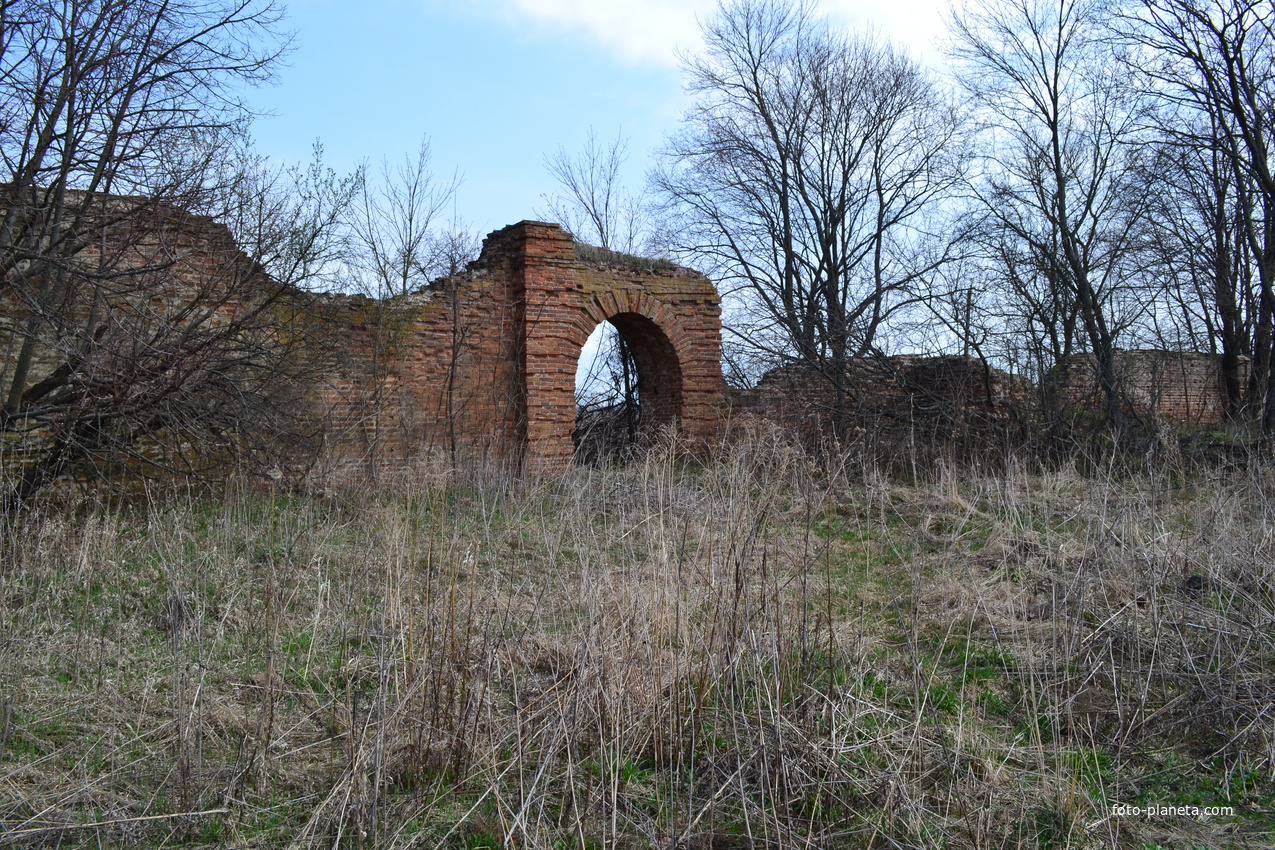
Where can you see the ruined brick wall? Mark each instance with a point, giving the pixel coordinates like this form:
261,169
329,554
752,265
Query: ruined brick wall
436,372
952,394
484,364
479,365
1177,389
943,392
895,413
147,262
134,337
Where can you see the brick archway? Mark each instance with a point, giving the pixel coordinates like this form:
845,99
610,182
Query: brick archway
670,316
655,337
483,363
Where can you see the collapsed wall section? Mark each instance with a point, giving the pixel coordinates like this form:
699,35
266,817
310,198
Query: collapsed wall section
949,396
1177,389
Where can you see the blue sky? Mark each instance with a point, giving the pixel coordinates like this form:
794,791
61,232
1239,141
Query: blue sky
496,85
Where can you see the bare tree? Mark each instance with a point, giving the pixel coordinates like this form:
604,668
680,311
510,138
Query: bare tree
123,97
1060,194
593,204
596,209
1213,63
1195,241
399,248
136,331
802,177
396,247
290,221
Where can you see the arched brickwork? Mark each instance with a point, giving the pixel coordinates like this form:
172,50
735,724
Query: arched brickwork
485,362
659,369
670,316
655,338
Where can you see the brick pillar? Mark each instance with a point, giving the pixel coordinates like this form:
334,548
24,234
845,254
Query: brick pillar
670,317
552,303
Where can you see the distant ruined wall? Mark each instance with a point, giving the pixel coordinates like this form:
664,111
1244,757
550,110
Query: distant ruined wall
1177,389
959,396
947,396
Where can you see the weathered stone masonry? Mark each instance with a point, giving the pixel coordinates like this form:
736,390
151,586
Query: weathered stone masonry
484,363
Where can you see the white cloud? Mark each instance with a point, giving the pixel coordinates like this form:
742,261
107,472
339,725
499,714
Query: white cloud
651,31
641,31
915,24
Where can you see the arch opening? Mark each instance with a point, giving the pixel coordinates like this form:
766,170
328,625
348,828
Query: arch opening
628,386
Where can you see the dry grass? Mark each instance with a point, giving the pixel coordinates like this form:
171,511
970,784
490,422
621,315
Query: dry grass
753,653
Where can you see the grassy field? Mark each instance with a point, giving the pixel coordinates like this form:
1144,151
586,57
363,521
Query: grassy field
755,652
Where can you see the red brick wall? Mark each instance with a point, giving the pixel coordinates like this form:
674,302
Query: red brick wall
943,392
484,364
157,283
1180,389
478,365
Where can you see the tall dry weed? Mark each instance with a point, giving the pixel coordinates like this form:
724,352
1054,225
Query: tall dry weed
761,650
